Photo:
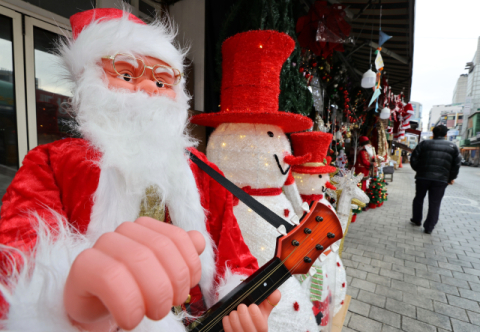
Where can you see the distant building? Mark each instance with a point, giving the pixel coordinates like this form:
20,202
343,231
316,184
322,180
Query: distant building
460,91
417,116
442,110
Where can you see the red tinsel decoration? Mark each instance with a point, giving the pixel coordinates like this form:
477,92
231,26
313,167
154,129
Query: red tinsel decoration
296,306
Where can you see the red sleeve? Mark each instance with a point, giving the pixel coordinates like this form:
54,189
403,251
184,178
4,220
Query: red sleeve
34,189
222,225
290,179
364,158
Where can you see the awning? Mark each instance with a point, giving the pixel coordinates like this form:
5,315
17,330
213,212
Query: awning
470,148
398,20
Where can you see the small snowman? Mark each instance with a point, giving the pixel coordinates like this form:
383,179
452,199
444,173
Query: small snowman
250,147
313,180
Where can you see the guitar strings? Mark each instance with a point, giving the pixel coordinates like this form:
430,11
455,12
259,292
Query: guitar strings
220,316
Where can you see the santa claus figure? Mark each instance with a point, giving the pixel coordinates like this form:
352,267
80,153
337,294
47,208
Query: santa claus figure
110,231
365,159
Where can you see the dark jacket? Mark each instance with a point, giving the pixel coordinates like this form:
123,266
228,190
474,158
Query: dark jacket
436,159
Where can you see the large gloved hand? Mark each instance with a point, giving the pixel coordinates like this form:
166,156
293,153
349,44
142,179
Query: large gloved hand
251,319
143,268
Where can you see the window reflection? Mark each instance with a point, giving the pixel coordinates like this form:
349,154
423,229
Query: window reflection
52,90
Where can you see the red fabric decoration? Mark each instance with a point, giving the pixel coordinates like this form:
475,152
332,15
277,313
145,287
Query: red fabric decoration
338,264
251,67
343,285
80,21
354,218
286,212
291,160
258,192
342,302
332,17
63,176
316,143
296,306
309,198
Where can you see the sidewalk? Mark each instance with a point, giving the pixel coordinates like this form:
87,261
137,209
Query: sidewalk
401,279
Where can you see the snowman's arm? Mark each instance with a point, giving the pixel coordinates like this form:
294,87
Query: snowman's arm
291,191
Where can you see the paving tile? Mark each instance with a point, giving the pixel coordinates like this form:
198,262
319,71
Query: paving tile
450,266
387,328
416,281
392,274
381,264
432,294
347,318
356,273
459,326
474,286
372,255
467,277
470,294
352,291
361,259
440,271
428,275
474,317
385,316
471,271
363,284
405,287
455,282
454,312
402,308
368,268
449,289
358,307
371,298
434,318
419,301
463,303
411,325
363,324
389,292
379,279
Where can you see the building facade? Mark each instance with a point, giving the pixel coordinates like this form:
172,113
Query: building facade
460,91
438,111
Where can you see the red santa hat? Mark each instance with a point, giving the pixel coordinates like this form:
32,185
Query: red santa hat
251,67
317,143
363,140
108,31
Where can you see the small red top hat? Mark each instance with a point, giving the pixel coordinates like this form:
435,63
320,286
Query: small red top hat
363,140
81,20
251,67
316,143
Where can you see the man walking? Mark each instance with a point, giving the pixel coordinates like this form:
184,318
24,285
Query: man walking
437,163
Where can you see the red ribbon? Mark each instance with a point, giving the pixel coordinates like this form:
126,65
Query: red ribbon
258,192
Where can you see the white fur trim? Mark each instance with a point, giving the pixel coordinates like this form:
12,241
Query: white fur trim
228,283
35,294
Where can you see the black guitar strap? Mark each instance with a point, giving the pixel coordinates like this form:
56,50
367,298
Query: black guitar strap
264,212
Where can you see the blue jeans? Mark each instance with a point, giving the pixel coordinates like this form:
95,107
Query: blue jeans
436,190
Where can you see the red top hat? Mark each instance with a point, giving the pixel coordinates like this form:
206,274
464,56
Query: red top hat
317,143
251,67
81,20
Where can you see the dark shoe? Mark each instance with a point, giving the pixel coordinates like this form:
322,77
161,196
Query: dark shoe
415,224
427,232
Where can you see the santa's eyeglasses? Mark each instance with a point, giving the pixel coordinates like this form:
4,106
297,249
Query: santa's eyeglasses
129,67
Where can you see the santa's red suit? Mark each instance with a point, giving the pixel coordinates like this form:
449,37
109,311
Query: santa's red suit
364,162
59,181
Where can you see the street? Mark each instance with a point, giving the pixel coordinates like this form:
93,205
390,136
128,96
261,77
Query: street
402,279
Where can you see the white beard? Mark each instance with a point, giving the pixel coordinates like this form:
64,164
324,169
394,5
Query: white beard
369,150
142,140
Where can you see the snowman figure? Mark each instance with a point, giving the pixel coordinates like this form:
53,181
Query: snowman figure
313,180
250,147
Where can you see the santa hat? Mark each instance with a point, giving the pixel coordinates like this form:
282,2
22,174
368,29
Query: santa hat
363,140
251,67
108,31
317,143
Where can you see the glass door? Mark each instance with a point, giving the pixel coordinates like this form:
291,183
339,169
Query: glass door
48,92
13,133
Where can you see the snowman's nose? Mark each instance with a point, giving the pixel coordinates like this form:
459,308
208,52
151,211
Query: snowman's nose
292,160
329,185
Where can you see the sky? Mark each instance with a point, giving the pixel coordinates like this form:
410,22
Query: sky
446,37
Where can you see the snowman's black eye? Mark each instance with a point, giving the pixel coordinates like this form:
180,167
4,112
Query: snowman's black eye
320,176
270,134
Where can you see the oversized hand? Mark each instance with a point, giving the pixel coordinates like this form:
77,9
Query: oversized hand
251,319
143,268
